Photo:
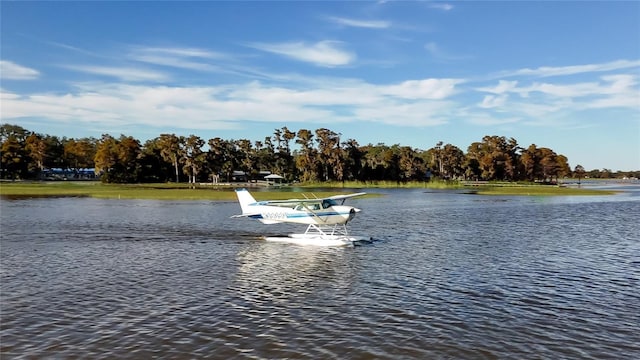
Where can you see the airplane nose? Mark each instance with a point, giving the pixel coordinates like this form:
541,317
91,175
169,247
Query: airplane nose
352,213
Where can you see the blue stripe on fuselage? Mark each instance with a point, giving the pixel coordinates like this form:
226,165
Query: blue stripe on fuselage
291,216
327,213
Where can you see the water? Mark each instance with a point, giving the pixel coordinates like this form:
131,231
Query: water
449,276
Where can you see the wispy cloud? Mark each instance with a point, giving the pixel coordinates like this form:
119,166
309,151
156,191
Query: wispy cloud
183,58
608,85
371,24
324,53
487,120
438,54
441,6
180,52
546,71
75,49
122,73
12,71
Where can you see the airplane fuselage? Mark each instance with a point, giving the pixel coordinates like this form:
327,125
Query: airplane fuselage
336,214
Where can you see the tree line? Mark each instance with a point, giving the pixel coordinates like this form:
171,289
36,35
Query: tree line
320,155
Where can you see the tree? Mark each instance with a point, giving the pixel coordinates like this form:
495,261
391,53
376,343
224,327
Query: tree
117,159
55,153
18,133
152,167
437,158
80,153
579,172
246,157
476,162
329,154
172,150
321,156
549,164
407,162
530,160
283,162
221,157
513,167
495,158
14,159
36,149
106,157
193,157
305,161
353,158
452,160
563,166
127,150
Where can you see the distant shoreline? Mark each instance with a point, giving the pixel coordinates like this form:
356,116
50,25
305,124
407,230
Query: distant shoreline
184,191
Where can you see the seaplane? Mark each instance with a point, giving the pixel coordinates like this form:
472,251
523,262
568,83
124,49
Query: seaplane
326,218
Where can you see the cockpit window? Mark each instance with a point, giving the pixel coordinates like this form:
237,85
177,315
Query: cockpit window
328,202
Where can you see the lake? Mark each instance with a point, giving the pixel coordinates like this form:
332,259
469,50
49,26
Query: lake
449,275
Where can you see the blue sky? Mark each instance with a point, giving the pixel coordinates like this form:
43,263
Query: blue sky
563,75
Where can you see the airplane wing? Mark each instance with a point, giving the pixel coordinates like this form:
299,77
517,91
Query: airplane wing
346,196
310,200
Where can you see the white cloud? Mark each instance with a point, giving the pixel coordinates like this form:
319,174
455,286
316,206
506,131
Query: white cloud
502,87
295,98
323,53
372,24
609,85
418,114
620,90
622,83
556,104
12,71
492,101
424,89
414,103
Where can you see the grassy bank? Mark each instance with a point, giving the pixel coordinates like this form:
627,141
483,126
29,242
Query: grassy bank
144,191
538,190
485,188
385,184
225,193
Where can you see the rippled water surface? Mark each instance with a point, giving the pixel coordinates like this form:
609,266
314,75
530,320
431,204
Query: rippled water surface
449,276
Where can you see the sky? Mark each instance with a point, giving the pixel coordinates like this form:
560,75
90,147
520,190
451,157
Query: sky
563,75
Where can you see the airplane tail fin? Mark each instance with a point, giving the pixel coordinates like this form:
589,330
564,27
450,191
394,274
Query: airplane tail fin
245,198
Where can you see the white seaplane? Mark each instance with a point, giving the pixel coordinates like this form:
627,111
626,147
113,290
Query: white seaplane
326,219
